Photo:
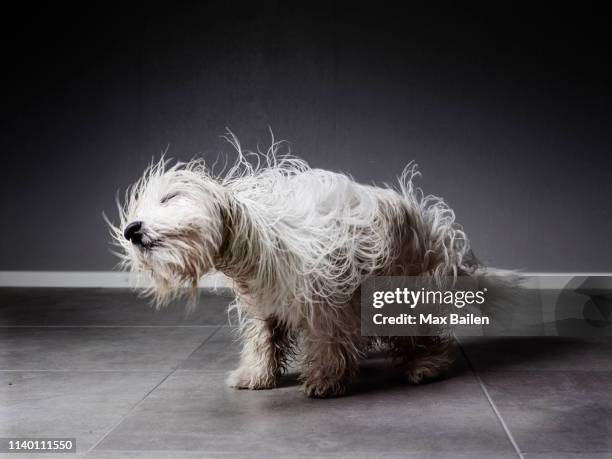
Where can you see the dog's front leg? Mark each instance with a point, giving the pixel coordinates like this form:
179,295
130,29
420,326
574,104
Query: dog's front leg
333,348
265,346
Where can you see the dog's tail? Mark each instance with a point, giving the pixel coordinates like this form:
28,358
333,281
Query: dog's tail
495,278
505,291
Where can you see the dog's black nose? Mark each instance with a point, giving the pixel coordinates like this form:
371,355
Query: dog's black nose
132,232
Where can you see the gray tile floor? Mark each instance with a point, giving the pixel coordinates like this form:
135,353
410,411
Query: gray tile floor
129,381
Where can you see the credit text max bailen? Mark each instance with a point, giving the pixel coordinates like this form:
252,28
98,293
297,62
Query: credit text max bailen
430,319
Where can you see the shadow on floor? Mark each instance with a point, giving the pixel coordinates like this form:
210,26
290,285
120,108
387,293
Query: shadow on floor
537,353
377,373
484,354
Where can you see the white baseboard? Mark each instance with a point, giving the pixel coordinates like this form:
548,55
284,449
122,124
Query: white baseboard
110,279
89,279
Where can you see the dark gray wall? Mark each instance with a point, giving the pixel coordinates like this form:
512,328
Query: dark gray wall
507,112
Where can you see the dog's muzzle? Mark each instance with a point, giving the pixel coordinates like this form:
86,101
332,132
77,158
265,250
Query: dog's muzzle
133,233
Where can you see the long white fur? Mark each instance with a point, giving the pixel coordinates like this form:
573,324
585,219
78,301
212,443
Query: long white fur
298,242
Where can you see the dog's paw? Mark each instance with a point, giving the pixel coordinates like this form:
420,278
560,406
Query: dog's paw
419,374
317,388
246,378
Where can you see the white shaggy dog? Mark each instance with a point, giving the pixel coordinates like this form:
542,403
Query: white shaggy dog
297,242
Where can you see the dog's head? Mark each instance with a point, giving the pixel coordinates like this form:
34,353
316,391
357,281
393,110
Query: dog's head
171,227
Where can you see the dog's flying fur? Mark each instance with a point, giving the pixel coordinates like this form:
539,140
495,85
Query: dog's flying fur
297,243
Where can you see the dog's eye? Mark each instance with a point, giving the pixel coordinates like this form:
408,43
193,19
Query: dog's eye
168,197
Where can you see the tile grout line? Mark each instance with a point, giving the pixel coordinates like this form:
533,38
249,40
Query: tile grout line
493,406
499,416
137,404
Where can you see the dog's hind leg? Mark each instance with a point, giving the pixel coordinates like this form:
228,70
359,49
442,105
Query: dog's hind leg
421,358
333,347
266,345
